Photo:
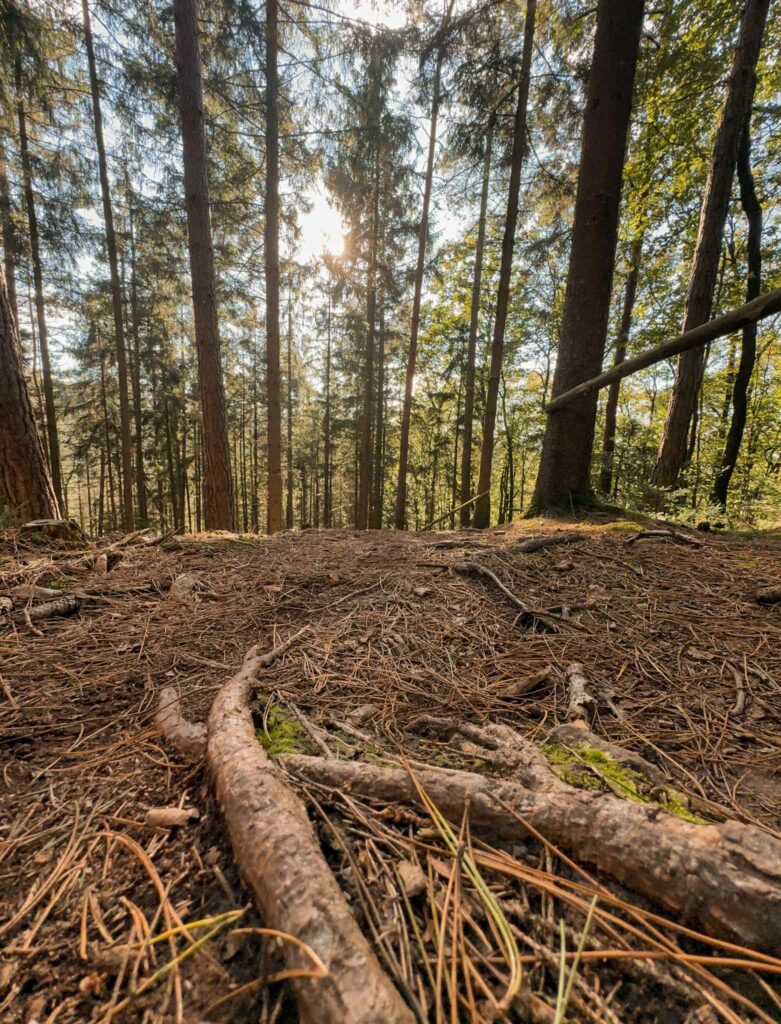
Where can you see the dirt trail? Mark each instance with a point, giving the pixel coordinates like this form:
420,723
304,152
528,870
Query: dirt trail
685,667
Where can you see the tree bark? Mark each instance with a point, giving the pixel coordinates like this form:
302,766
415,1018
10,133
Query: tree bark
482,512
40,307
611,409
400,521
26,489
116,287
289,417
474,321
379,421
143,512
8,239
218,485
366,463
327,491
715,205
563,476
748,350
272,272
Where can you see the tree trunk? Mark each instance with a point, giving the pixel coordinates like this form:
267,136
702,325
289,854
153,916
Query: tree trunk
274,454
25,487
611,409
8,239
715,205
289,417
563,477
378,475
218,485
327,502
406,414
482,513
40,309
748,350
474,320
143,513
116,288
365,472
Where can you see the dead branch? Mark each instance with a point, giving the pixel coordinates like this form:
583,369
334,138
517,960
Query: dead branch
673,536
68,604
769,595
582,703
725,879
528,615
546,541
280,858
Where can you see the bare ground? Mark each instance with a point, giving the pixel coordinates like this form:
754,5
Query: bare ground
685,666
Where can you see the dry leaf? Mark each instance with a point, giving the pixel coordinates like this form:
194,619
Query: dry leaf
412,878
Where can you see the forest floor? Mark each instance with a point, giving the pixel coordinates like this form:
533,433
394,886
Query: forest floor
683,663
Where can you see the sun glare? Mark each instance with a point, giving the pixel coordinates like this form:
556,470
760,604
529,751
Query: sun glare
322,229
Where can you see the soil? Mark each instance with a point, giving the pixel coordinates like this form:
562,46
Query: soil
683,662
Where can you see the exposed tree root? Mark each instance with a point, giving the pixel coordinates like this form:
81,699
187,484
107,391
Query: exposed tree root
725,879
188,737
68,604
529,616
280,858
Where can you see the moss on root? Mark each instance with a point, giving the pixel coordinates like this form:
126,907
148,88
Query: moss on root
589,768
282,734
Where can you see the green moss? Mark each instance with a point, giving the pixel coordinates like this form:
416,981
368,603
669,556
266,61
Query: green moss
282,734
589,768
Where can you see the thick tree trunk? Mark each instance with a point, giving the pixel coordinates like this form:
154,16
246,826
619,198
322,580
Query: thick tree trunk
748,350
611,409
143,513
366,464
40,307
274,413
400,521
26,489
563,477
689,371
482,513
474,321
218,485
8,239
116,287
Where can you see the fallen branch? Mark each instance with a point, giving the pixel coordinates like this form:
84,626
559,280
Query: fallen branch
547,541
725,879
582,704
68,604
665,535
749,313
280,858
528,615
769,595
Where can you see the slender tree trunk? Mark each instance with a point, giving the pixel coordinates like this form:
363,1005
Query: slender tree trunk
474,322
327,490
143,512
218,485
379,420
102,493
8,239
482,511
25,486
456,438
40,309
289,417
406,414
563,477
116,287
611,409
715,205
272,272
254,504
365,476
748,351
107,443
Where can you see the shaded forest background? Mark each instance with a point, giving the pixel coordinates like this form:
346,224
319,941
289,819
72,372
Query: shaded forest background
358,99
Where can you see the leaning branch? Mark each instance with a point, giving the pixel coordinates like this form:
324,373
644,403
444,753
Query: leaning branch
750,313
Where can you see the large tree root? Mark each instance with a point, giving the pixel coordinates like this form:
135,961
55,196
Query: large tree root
725,879
280,858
